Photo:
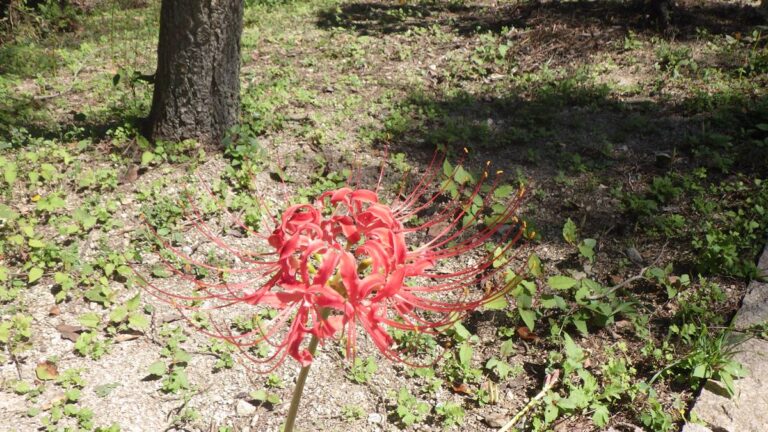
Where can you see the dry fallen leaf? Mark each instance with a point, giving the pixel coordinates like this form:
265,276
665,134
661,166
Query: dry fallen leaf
56,400
69,332
124,337
526,334
462,388
54,311
130,175
46,371
437,228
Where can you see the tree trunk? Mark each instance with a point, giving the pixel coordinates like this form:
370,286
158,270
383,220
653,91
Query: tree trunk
197,83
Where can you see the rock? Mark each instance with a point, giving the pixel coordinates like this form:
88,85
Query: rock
375,418
634,255
663,160
754,307
693,427
746,410
495,420
244,408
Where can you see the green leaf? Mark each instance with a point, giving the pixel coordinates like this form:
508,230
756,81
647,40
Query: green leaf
561,282
570,232
534,265
181,356
566,404
587,249
259,395
581,326
700,371
508,348
503,191
528,316
161,272
10,173
550,413
572,351
22,387
3,273
35,273
72,395
498,303
133,303
462,176
465,354
550,301
157,368
498,258
7,213
45,371
118,314
36,243
124,271
105,390
727,381
90,320
147,157
138,321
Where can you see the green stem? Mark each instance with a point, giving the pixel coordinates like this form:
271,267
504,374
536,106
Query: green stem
293,410
290,421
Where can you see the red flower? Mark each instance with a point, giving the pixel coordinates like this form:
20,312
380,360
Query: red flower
348,261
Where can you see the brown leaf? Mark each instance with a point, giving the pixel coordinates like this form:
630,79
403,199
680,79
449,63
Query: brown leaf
170,318
69,332
526,334
54,311
462,388
437,228
130,175
124,337
57,399
46,371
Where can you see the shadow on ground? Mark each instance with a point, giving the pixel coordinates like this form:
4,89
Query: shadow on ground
579,143
563,19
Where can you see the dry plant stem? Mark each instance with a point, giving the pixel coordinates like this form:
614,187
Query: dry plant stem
549,382
290,420
638,276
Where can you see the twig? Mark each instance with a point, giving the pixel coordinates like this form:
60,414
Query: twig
549,382
15,360
638,276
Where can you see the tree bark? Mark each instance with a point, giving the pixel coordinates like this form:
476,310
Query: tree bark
197,83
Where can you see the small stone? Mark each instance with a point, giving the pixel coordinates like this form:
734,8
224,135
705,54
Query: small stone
634,255
244,408
375,418
663,160
495,420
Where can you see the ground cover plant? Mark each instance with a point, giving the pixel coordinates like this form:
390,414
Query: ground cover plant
642,151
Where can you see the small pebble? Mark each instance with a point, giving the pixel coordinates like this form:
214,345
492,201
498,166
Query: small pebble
244,408
495,420
375,418
634,255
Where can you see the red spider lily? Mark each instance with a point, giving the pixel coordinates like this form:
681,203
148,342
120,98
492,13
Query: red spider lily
349,261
